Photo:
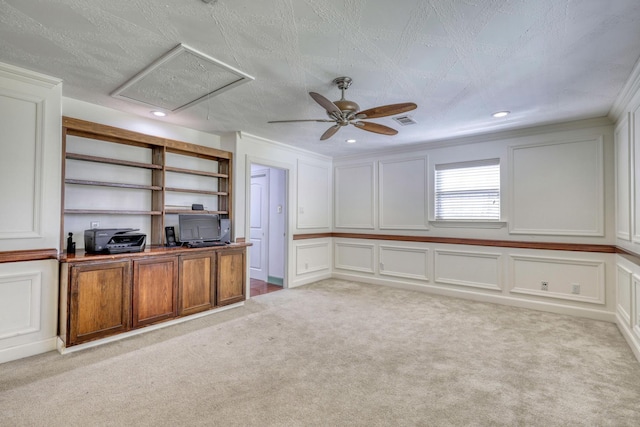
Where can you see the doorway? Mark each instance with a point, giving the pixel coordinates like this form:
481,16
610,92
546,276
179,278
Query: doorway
267,228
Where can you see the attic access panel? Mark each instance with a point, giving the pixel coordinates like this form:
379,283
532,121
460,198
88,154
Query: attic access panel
179,79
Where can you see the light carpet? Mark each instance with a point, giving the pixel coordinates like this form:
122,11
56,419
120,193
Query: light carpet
339,353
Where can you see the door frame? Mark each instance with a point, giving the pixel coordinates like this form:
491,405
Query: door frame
288,170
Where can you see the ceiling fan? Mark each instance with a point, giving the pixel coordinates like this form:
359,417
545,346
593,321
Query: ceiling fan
345,112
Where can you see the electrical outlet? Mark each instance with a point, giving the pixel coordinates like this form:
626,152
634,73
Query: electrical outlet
544,286
95,224
575,288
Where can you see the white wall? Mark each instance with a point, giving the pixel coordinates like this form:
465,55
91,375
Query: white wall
309,204
557,186
30,162
627,225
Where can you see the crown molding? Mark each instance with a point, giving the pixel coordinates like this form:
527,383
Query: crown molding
630,89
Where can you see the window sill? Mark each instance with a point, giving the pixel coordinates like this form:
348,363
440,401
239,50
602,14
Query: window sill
468,224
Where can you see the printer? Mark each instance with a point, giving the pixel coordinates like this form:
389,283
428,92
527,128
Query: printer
113,240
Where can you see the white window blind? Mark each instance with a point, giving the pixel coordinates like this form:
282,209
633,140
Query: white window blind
468,191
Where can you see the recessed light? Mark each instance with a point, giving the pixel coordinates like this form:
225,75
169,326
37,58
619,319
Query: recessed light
500,114
159,113
350,141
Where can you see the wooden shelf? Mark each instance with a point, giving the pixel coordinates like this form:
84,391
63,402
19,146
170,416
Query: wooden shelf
195,172
96,159
110,212
212,180
112,184
189,190
189,211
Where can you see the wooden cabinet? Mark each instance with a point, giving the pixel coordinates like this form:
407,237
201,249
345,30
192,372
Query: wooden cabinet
99,300
103,295
155,290
230,276
196,285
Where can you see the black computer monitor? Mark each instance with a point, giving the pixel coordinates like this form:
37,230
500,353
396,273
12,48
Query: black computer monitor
198,227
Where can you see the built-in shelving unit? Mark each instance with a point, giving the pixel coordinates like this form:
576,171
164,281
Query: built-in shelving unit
177,173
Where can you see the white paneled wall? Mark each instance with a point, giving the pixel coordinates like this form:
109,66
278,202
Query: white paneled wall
413,211
354,196
502,275
556,187
627,144
30,165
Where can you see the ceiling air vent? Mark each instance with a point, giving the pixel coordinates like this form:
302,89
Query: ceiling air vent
179,79
405,120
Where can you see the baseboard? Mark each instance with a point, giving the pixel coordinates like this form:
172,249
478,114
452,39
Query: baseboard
275,280
629,336
305,280
551,307
27,350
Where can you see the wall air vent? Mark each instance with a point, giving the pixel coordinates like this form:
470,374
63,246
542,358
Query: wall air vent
405,120
179,79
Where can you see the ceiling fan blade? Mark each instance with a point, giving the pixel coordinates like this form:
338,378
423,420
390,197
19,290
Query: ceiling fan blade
330,132
375,128
326,104
386,110
303,120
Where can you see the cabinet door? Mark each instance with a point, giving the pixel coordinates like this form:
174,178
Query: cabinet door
230,276
155,286
100,297
196,287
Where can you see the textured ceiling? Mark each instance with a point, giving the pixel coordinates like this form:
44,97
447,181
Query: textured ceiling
460,60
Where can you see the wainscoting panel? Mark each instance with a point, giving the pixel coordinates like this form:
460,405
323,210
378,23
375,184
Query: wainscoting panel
313,191
472,269
567,279
20,297
355,257
623,293
404,262
403,194
28,308
354,196
22,116
623,179
634,134
565,177
312,257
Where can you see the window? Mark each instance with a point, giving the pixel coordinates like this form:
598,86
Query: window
468,191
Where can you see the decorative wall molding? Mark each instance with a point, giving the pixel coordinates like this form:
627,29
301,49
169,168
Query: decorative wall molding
28,255
355,207
354,257
395,206
623,293
476,264
551,246
528,272
319,174
404,261
312,251
527,176
20,302
623,178
27,126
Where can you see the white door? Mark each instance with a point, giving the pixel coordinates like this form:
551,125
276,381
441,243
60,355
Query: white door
259,224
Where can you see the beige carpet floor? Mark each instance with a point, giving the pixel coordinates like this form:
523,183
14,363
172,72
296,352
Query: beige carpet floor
338,353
